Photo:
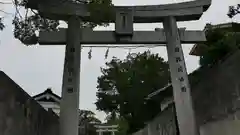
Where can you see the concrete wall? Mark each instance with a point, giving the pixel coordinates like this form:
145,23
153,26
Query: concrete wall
163,124
227,126
20,114
217,94
216,99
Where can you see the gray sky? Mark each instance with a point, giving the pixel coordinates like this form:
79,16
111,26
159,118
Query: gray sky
36,68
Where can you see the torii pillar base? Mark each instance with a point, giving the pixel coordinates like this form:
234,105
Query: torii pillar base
71,78
181,88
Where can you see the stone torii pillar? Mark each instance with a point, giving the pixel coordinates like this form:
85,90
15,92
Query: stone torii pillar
71,78
179,78
169,14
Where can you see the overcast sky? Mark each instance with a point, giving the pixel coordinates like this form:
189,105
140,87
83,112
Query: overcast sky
36,68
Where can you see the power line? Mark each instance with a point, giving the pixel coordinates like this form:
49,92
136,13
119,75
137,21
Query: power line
5,2
6,12
121,46
129,47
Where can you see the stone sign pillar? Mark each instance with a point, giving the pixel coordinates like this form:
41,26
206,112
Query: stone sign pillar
71,79
179,78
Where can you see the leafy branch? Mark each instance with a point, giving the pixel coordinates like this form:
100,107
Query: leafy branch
233,10
2,26
219,44
27,26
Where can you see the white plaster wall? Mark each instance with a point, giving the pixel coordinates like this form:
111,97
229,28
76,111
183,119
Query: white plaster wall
55,107
228,126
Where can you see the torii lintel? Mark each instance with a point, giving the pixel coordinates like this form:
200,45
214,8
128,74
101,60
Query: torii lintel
184,11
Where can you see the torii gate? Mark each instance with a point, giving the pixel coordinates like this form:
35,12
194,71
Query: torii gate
125,16
106,128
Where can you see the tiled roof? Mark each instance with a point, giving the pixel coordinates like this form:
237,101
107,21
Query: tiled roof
47,96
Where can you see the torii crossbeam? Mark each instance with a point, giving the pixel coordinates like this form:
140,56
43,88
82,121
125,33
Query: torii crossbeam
125,16
185,11
89,36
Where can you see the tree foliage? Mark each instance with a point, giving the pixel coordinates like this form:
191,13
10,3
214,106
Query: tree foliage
87,120
87,116
219,43
1,24
233,10
131,80
122,125
26,27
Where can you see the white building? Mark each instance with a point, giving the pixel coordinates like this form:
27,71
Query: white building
49,100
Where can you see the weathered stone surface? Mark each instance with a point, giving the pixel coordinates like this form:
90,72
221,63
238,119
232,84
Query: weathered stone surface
217,93
227,126
124,23
179,79
163,124
22,115
184,11
69,106
216,99
108,37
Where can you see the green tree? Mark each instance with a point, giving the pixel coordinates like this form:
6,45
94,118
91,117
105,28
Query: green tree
26,26
122,125
220,42
233,10
125,84
1,24
87,120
